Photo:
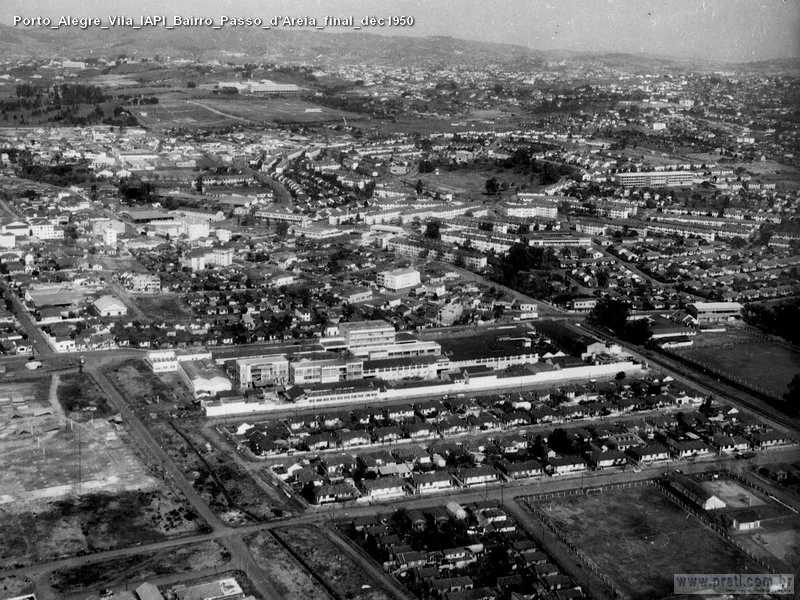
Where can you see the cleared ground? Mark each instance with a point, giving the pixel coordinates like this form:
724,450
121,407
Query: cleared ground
120,572
45,455
639,539
163,308
91,523
287,574
340,572
752,360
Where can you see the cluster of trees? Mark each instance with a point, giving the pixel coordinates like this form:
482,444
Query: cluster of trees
527,269
522,160
778,319
613,314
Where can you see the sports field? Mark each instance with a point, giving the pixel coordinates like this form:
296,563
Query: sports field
640,539
756,361
199,111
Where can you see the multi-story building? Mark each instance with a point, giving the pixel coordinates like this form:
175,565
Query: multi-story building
398,279
657,178
367,333
258,371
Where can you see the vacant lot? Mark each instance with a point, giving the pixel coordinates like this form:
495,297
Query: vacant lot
165,307
44,455
92,523
81,397
338,570
639,539
287,574
752,360
147,391
68,458
120,572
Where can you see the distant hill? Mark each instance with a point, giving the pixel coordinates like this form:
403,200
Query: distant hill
305,45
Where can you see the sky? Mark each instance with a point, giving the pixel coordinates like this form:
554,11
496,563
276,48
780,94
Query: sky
728,30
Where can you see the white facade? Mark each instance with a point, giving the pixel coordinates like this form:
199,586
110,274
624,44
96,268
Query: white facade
398,279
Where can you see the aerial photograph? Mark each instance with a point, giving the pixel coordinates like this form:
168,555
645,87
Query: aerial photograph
399,299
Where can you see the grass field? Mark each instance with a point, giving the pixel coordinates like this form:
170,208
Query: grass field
748,358
639,539
471,182
92,523
194,110
119,572
289,577
341,573
163,308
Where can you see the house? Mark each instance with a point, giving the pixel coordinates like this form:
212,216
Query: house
451,584
383,488
562,465
427,483
745,519
477,476
350,439
522,470
649,453
726,444
335,492
688,448
610,458
338,464
770,439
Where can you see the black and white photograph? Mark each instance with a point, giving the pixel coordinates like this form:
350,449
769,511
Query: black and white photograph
399,299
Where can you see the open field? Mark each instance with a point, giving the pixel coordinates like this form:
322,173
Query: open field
471,182
639,539
44,455
341,573
747,358
92,523
163,308
288,575
147,391
53,465
81,398
275,109
195,110
134,569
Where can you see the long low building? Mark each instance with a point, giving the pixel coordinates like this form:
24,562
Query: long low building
366,391
714,312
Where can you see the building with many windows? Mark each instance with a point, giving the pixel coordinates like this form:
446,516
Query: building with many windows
398,279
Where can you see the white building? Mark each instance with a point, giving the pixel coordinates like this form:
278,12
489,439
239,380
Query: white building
109,306
367,333
398,279
204,377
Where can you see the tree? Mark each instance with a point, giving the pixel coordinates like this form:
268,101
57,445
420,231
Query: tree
637,331
432,230
419,187
492,186
792,395
610,313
